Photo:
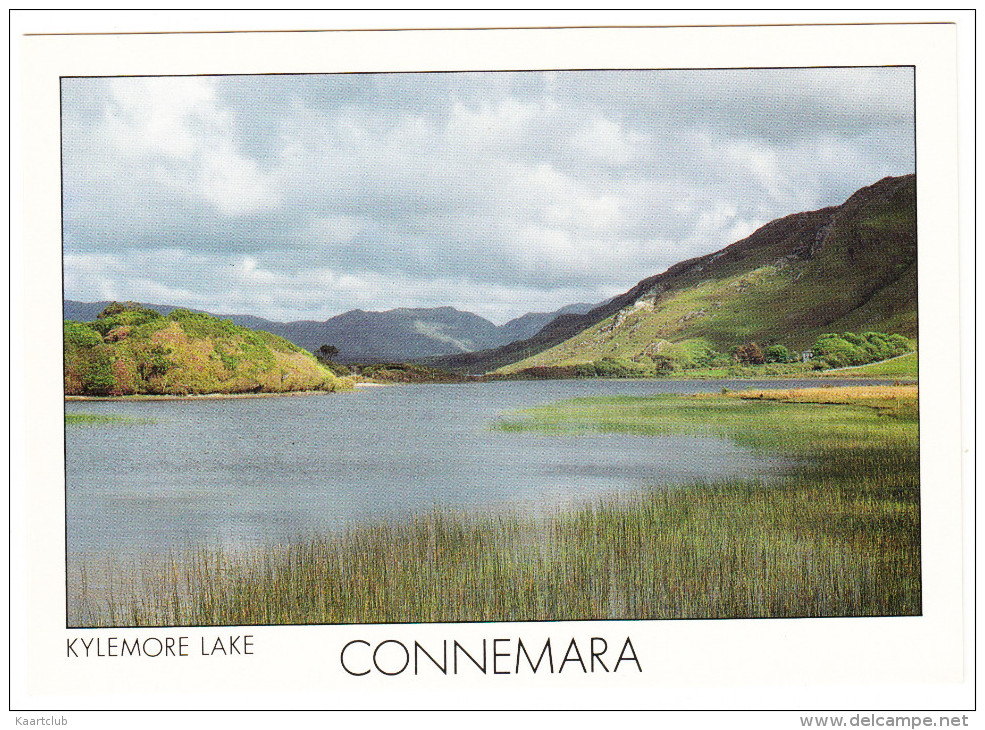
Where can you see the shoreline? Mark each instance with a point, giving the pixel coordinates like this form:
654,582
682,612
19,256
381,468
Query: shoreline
296,393
202,396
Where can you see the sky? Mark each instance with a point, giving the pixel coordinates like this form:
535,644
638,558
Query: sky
303,196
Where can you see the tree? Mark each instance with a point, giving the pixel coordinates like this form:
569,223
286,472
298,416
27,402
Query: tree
777,353
115,308
851,349
749,354
328,351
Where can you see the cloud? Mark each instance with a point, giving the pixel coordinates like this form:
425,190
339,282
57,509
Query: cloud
304,196
333,229
164,140
606,141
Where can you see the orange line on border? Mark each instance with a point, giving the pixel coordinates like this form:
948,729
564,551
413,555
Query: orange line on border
532,27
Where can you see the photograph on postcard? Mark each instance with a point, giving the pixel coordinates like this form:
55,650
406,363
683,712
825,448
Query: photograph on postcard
490,346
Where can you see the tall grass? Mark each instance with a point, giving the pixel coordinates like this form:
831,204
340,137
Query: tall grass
103,419
837,533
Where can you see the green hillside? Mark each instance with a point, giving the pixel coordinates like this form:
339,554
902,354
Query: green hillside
131,350
846,268
904,366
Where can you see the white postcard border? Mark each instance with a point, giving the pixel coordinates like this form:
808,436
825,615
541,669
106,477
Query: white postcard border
744,661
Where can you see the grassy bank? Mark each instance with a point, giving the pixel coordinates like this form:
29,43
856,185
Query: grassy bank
100,419
905,366
836,533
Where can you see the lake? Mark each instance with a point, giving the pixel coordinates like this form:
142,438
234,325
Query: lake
244,472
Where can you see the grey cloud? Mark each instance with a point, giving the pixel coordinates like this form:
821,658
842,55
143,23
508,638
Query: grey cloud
496,192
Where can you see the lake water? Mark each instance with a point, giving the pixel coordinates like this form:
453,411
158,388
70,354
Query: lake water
244,472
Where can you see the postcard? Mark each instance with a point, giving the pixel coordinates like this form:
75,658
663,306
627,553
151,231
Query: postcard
556,368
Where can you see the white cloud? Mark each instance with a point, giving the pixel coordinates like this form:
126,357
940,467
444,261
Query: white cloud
248,273
153,292
157,114
103,277
494,124
175,129
233,184
607,142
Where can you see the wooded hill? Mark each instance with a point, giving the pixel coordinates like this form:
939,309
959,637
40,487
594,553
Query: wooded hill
132,350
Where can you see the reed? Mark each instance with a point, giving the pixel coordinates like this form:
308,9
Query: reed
103,419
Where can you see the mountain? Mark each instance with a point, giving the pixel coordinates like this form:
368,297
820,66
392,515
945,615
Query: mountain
394,335
133,350
850,267
406,334
533,322
88,311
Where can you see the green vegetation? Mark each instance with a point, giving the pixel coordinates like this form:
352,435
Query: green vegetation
131,350
904,366
328,352
836,533
845,350
402,372
696,359
670,359
93,419
607,367
748,417
777,353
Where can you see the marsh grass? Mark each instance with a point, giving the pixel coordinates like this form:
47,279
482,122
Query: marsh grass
93,419
836,533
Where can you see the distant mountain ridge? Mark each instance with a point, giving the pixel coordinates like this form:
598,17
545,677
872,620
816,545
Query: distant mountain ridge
400,334
533,322
850,267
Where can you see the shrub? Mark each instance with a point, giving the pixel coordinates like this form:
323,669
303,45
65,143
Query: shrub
97,373
617,367
336,369
749,354
87,367
692,353
126,381
662,365
777,353
114,308
849,349
131,349
118,315
900,344
585,370
80,335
